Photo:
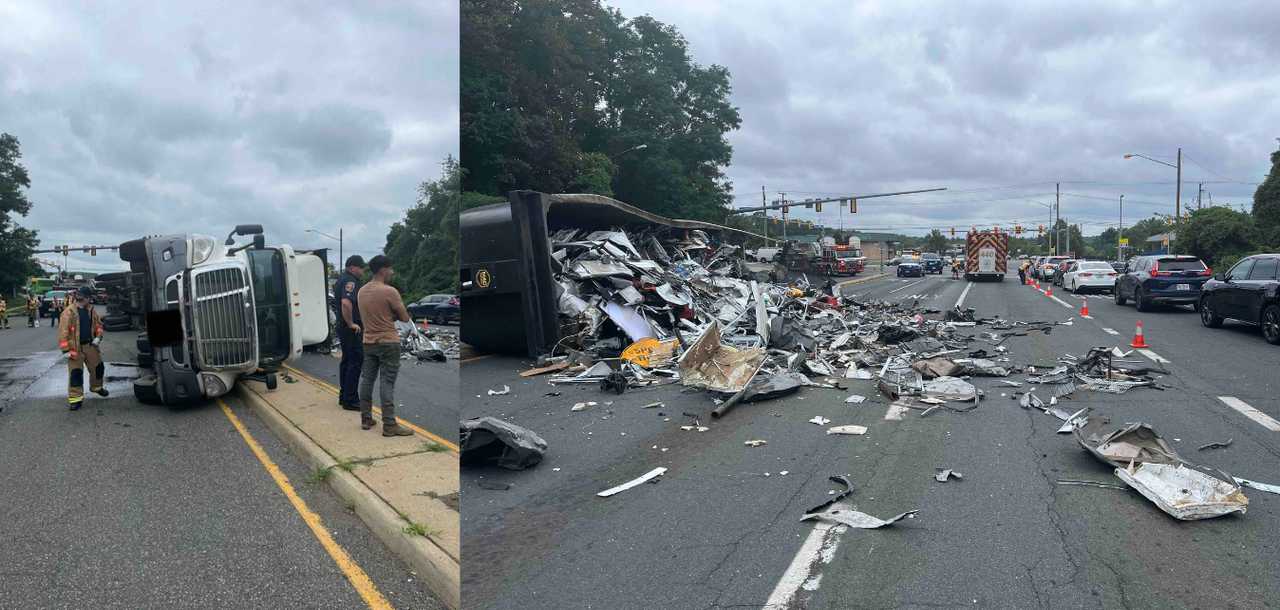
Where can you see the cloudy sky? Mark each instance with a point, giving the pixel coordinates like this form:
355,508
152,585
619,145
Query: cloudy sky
997,102
145,117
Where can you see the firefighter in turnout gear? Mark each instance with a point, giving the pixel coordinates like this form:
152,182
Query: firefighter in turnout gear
4,313
79,333
33,310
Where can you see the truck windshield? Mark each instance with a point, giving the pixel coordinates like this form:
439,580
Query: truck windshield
848,253
271,303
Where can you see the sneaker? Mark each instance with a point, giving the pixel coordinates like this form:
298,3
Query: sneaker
395,430
102,392
367,423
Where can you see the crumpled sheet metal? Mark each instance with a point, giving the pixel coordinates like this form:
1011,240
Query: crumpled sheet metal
1136,443
834,510
950,388
930,368
1184,492
506,445
768,387
712,365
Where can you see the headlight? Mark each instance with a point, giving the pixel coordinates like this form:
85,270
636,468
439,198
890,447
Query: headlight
201,247
213,385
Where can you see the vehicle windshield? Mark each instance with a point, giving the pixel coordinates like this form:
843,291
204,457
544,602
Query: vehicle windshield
1181,264
848,254
271,303
1086,266
930,256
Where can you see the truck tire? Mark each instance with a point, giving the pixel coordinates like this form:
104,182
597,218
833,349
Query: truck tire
144,389
271,381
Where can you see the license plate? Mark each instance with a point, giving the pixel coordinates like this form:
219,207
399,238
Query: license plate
1182,287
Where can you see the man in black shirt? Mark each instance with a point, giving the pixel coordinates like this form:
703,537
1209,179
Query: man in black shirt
347,305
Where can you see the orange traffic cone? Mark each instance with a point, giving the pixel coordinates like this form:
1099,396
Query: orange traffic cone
1139,341
1084,307
1049,292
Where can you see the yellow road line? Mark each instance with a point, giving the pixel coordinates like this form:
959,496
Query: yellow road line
408,424
363,585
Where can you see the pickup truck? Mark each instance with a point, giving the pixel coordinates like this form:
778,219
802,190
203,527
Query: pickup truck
216,312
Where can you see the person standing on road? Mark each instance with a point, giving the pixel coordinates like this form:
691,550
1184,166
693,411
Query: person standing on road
4,313
1022,271
380,308
348,313
79,333
33,308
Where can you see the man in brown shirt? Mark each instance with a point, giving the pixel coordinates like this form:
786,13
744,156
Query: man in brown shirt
380,308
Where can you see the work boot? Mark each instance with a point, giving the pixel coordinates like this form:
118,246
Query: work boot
74,406
346,406
367,423
102,392
395,430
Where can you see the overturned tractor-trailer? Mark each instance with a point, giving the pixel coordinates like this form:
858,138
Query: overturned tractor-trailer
511,254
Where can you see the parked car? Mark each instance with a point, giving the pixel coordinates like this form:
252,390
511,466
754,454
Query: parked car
1118,266
1061,269
1161,278
52,303
932,262
437,308
1083,276
1049,266
1248,292
910,268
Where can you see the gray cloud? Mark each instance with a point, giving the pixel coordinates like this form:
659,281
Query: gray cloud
195,118
997,101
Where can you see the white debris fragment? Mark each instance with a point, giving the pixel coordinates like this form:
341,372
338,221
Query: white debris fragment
583,406
854,399
755,443
820,420
850,429
652,474
506,389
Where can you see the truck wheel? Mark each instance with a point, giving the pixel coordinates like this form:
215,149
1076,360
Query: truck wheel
271,381
144,389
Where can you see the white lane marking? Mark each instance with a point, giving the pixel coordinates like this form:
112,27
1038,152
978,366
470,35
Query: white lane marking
819,547
1258,416
965,293
1062,302
905,286
896,412
1109,331
1153,356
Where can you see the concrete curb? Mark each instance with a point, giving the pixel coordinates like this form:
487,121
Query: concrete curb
442,574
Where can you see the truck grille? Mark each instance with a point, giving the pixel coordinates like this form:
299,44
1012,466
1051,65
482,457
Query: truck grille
222,309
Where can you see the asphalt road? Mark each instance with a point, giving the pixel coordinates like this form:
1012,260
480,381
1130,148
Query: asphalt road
426,392
715,531
125,505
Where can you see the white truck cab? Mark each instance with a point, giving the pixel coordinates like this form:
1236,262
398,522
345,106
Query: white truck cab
216,312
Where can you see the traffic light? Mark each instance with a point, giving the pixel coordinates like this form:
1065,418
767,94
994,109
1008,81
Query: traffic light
953,231
93,251
785,206
817,207
1017,229
853,205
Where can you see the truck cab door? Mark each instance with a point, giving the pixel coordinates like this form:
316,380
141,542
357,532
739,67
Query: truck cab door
308,299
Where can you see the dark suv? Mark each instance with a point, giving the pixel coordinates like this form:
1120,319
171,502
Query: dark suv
1161,278
932,262
1248,293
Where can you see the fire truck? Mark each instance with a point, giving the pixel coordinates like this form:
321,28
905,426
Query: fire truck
841,260
986,255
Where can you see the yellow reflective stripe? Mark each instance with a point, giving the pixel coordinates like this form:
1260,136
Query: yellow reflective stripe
75,398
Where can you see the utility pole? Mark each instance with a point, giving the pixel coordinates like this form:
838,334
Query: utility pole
1177,204
764,201
1120,236
784,217
1057,206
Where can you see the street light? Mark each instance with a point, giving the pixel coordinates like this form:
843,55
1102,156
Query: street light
1053,229
1177,197
338,239
636,147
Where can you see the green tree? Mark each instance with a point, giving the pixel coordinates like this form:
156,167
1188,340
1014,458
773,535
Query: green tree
424,246
1217,234
935,242
546,85
16,242
1266,204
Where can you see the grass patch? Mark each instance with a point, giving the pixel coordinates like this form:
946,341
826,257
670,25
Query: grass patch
433,447
319,475
418,529
349,464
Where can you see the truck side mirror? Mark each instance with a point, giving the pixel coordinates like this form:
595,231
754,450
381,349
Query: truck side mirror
259,242
248,230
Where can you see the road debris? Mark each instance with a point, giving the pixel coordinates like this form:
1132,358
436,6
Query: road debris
849,429
755,443
836,511
644,478
946,474
583,406
1144,461
854,399
506,389
1092,484
1215,445
820,420
491,440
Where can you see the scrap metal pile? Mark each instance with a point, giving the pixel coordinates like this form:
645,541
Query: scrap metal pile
642,308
